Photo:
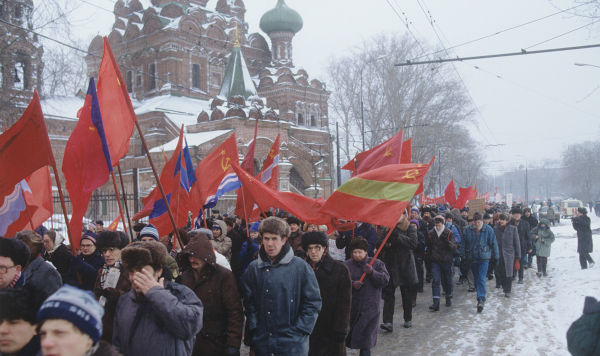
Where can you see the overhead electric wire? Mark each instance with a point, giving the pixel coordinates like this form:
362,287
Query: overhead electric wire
499,32
483,119
563,34
521,53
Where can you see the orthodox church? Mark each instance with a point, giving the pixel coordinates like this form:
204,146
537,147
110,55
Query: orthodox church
186,63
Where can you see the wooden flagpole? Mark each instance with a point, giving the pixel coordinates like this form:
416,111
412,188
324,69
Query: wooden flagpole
63,205
245,212
112,174
125,201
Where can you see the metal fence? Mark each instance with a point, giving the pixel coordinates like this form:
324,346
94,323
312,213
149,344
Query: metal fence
102,206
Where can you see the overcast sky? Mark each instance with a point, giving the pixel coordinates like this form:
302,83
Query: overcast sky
534,105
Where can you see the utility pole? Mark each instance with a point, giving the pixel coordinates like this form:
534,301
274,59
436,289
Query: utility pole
440,171
337,140
526,185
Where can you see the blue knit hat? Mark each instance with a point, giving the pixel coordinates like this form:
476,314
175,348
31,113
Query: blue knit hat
149,230
254,227
76,306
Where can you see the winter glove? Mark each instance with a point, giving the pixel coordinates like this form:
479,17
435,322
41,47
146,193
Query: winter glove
517,265
339,337
368,269
232,351
357,284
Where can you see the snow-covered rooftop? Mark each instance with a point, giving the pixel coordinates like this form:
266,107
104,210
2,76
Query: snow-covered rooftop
194,139
63,107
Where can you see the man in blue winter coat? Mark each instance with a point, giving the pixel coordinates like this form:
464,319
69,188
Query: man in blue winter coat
281,295
479,246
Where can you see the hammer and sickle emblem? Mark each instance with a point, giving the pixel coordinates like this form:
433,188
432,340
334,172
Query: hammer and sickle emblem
92,128
388,151
272,153
225,161
412,174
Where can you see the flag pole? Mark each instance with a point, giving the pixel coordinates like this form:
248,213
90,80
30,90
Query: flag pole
362,278
245,212
125,201
114,180
63,205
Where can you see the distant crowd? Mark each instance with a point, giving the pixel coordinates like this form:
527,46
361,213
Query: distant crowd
279,285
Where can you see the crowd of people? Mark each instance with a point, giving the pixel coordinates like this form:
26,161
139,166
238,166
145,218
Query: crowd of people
280,286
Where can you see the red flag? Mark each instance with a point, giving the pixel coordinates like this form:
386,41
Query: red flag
406,155
86,163
174,180
243,204
303,207
248,162
388,152
24,147
211,171
378,196
114,224
115,105
38,200
450,193
421,187
464,195
269,174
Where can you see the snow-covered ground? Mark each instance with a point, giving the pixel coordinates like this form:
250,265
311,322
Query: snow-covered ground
533,322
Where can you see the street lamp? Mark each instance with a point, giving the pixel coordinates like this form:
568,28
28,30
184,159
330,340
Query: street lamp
362,109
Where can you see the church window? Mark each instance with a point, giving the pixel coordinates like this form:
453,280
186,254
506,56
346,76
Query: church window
19,79
313,121
196,76
129,81
138,81
300,120
152,75
18,11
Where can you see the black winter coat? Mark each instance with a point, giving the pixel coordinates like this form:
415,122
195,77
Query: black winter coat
327,338
397,254
441,249
584,234
367,231
523,228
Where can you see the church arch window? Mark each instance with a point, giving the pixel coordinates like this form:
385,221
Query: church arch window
152,76
313,120
300,119
196,76
19,73
129,81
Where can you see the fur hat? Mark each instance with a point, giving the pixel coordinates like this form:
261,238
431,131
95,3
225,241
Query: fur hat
108,239
76,306
439,218
582,211
144,253
149,230
89,235
465,209
19,303
359,243
516,210
312,238
477,216
293,220
14,249
415,209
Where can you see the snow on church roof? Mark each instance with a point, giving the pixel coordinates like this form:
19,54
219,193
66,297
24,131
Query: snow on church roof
193,139
179,109
61,107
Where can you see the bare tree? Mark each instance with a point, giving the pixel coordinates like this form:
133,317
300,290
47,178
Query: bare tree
581,169
427,102
64,71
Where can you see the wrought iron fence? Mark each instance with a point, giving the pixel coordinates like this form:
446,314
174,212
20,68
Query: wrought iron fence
102,206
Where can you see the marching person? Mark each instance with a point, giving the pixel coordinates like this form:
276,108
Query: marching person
581,223
509,249
221,334
533,222
543,239
281,295
366,296
523,228
327,338
70,324
40,275
398,257
479,247
156,317
220,242
441,247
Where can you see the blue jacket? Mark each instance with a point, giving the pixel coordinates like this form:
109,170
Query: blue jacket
479,246
366,231
454,230
282,301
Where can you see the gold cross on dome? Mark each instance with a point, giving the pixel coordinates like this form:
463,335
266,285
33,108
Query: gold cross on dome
236,35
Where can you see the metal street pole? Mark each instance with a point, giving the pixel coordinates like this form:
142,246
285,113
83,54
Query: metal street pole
339,169
526,185
440,171
362,109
